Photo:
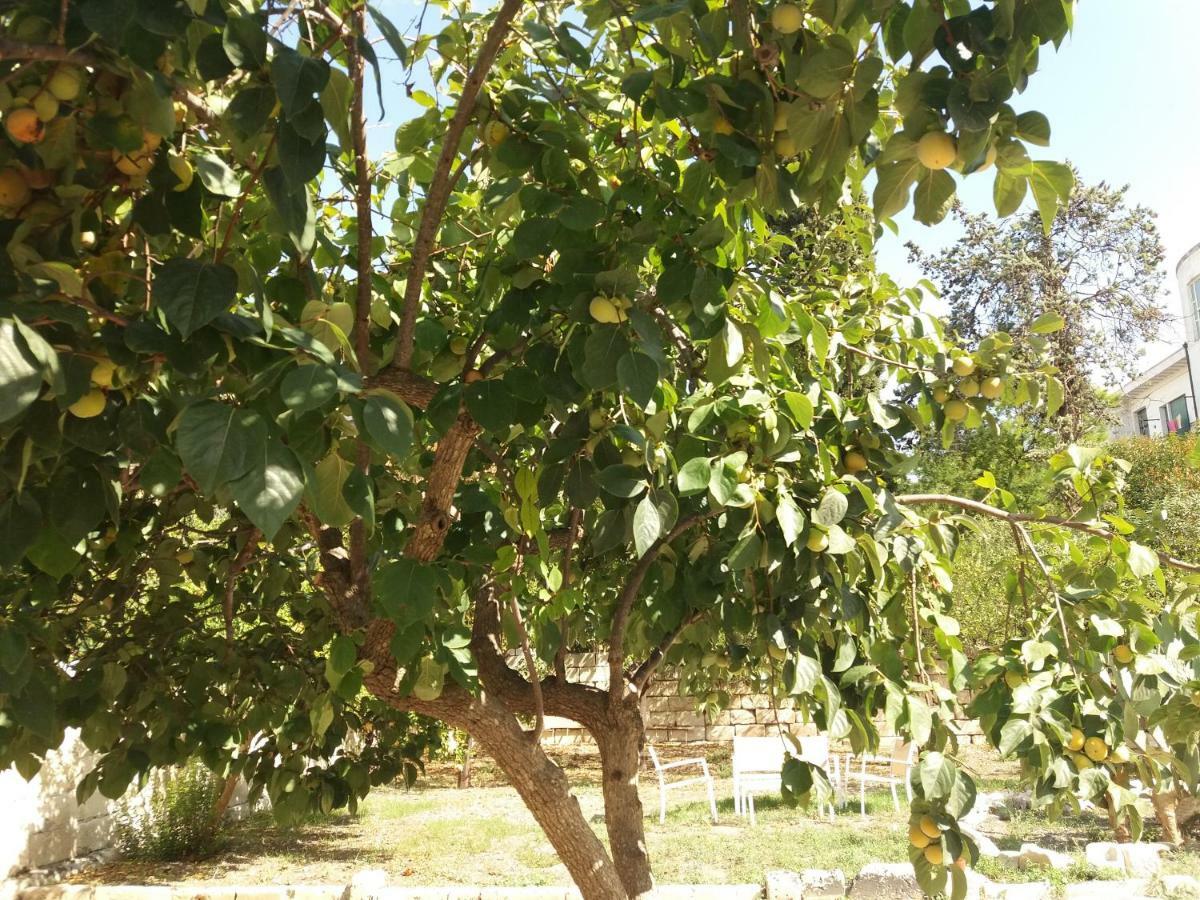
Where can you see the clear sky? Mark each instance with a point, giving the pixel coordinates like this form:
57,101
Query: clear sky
1123,98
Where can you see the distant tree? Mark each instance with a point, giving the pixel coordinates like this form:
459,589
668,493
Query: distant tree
1099,269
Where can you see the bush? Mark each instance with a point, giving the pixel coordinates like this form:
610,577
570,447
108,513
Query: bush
177,823
1163,467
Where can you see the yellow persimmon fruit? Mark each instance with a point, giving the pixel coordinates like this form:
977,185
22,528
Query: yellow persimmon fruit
605,311
102,373
45,105
817,542
787,18
64,84
929,827
24,126
854,462
89,405
1096,749
494,133
723,126
1123,654
933,854
956,410
963,366
992,387
1075,742
936,150
785,147
917,837
182,170
969,387
14,189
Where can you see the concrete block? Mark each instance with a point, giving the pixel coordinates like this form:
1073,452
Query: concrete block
131,892
811,884
57,892
886,881
1030,890
719,734
1180,886
741,717
690,718
365,884
1106,890
1033,855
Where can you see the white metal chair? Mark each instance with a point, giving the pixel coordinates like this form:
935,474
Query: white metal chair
897,766
661,768
758,764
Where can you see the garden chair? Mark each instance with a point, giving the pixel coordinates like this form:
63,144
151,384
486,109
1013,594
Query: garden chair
897,766
661,769
758,762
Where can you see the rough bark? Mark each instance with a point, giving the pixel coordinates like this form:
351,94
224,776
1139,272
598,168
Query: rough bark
1164,811
223,801
620,747
1119,823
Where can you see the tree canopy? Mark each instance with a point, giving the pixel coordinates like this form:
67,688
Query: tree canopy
293,435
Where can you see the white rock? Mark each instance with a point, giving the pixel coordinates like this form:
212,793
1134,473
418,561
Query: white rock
1033,855
822,883
1180,886
365,884
886,881
1143,860
1030,890
987,847
784,885
1104,855
1010,859
1106,890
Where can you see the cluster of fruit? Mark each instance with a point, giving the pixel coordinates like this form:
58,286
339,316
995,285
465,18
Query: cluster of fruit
967,384
1086,751
926,836
33,104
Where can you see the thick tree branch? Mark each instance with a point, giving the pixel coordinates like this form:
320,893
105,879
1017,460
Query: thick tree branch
994,512
235,569
438,195
642,675
363,274
629,594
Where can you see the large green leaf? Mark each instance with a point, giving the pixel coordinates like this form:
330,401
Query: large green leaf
389,422
192,292
637,374
297,79
325,491
218,443
20,379
308,387
271,489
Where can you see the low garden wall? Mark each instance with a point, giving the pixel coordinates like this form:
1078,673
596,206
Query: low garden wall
674,718
42,825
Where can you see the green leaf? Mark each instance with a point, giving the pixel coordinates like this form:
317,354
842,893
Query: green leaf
1009,191
622,481
1142,560
637,374
825,72
1051,183
192,293
1013,734
390,34
335,103
694,476
932,197
20,379
491,404
407,591
218,443
248,113
832,508
800,407
1048,323
789,517
272,488
806,674
297,79
920,720
308,387
216,176
648,525
1033,128
937,776
245,42
325,491
894,187
295,211
746,552
343,654
389,422
154,109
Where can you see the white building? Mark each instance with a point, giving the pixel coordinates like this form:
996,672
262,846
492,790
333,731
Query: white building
1162,399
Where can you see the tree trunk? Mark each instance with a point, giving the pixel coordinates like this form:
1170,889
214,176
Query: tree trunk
1164,810
620,748
464,772
1119,823
223,801
544,788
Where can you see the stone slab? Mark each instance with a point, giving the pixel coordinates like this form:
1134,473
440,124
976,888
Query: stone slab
885,881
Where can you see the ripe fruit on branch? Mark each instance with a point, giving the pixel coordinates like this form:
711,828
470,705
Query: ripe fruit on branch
494,133
89,405
64,84
1075,743
458,345
1123,654
1096,749
936,150
854,462
24,126
604,310
929,827
941,393
14,189
102,373
182,170
135,165
45,105
956,410
933,854
969,387
785,147
723,126
1014,679
963,366
472,375
786,18
817,542
992,387
917,837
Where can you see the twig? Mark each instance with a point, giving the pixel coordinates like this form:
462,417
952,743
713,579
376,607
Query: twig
235,569
438,194
534,682
560,655
240,206
1006,516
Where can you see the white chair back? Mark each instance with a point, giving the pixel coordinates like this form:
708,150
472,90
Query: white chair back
903,754
814,749
758,755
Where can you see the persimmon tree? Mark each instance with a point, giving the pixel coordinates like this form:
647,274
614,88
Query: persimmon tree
293,434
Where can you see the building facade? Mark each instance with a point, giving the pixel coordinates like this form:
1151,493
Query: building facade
1162,399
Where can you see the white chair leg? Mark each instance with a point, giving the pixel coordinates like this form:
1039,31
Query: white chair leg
895,799
712,797
662,804
862,790
753,819
737,797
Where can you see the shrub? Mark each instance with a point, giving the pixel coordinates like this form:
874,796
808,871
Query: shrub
177,822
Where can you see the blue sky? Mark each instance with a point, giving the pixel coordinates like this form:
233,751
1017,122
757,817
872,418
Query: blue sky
1123,97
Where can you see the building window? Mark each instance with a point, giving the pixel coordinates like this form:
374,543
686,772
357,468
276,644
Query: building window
1178,420
1143,422
1194,298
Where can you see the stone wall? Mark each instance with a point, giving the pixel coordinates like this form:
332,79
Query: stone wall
42,824
674,718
